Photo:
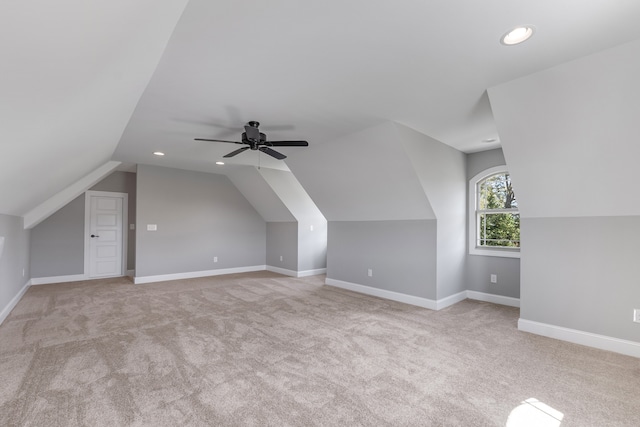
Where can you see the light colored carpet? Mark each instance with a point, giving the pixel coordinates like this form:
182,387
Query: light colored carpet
260,349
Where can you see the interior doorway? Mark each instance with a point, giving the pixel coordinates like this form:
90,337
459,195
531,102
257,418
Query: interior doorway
105,234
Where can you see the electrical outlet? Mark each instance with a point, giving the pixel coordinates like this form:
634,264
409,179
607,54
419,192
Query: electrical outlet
215,259
370,272
636,315
311,228
494,278
280,257
23,272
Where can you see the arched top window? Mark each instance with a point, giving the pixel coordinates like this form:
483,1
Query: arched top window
494,219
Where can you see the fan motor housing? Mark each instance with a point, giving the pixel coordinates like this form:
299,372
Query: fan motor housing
254,144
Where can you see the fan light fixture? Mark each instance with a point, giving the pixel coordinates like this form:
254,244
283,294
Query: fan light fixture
517,35
158,153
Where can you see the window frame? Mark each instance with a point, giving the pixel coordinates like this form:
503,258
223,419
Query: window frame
474,218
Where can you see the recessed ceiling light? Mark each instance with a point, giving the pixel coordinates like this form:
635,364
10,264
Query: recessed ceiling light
517,35
220,163
489,140
158,153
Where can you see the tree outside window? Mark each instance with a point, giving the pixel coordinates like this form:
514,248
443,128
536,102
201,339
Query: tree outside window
497,216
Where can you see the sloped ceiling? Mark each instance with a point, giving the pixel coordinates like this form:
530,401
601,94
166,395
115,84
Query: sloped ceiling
260,194
570,135
383,186
72,73
74,76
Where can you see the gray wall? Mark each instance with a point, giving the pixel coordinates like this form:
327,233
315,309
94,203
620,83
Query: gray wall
573,155
479,268
57,243
14,258
199,216
582,273
440,170
312,245
402,255
282,240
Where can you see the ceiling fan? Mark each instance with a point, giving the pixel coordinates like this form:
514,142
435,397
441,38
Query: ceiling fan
256,140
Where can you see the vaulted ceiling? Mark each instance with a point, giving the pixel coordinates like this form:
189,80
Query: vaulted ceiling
85,82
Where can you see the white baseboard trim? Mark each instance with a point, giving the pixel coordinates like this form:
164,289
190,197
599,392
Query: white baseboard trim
294,273
496,299
58,279
291,273
603,342
424,302
315,272
14,301
450,300
383,293
195,274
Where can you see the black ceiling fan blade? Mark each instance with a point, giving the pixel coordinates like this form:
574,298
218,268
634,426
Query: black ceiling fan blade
272,153
238,151
288,143
217,140
252,132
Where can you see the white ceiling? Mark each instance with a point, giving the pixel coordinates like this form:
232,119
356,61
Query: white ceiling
305,70
326,69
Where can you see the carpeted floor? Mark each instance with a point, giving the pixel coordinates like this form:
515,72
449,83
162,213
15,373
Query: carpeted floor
261,349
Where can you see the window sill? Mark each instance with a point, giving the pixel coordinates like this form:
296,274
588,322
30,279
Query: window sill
504,253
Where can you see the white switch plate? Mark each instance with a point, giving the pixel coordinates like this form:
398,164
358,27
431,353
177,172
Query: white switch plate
311,228
494,278
280,257
370,272
215,259
636,315
152,227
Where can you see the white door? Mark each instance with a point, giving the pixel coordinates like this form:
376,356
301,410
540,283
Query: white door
105,240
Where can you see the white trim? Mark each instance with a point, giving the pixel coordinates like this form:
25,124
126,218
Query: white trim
284,271
41,212
450,300
87,229
603,342
315,272
14,301
195,274
473,225
424,302
382,293
58,279
294,273
496,299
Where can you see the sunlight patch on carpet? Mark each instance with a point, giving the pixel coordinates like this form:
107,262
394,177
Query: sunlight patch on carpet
533,413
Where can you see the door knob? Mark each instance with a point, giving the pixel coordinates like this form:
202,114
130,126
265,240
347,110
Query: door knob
94,235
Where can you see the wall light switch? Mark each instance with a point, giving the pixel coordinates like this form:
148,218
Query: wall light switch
494,278
152,227
636,315
215,259
370,272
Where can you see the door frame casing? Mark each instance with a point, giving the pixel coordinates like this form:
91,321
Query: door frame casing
87,228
